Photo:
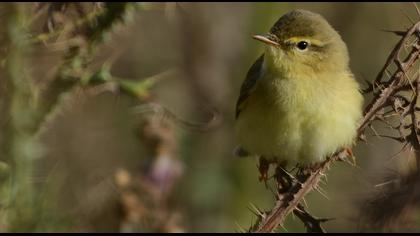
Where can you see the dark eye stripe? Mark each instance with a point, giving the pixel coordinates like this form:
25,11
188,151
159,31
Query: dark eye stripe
311,46
318,48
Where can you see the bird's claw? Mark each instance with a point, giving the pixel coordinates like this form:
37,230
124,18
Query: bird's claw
348,157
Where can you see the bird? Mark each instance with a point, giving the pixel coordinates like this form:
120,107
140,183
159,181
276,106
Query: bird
299,103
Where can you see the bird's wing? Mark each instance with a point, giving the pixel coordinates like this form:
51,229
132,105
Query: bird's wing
248,85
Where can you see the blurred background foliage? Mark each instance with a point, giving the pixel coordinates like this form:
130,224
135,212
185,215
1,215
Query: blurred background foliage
94,163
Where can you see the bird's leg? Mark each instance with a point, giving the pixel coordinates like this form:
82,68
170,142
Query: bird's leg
263,168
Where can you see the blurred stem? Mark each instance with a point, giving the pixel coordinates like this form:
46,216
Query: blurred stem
73,69
23,148
28,114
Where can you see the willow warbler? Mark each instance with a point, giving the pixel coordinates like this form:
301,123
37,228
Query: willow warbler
299,102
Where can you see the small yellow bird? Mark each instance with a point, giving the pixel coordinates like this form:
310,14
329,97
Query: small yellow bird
299,102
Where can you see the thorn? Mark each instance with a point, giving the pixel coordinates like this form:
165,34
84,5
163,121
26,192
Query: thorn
408,17
398,139
363,138
288,174
304,202
405,146
406,76
293,215
374,130
417,9
322,220
256,211
321,191
252,211
282,226
325,176
241,230
299,209
384,183
322,181
397,32
388,73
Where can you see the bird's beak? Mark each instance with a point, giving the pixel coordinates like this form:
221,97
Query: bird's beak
265,39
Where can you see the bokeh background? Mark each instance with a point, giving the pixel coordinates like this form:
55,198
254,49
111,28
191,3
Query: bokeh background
106,168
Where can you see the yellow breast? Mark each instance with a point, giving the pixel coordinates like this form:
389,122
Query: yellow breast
300,120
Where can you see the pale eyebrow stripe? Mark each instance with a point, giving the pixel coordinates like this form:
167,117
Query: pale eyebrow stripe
313,42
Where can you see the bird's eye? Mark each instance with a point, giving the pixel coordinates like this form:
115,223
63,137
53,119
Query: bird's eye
302,45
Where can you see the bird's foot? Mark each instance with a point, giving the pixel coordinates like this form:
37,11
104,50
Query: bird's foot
305,171
284,179
349,151
348,156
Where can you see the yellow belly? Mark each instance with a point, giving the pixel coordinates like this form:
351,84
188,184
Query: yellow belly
300,121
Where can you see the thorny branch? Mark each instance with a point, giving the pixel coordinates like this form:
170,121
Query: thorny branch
385,96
